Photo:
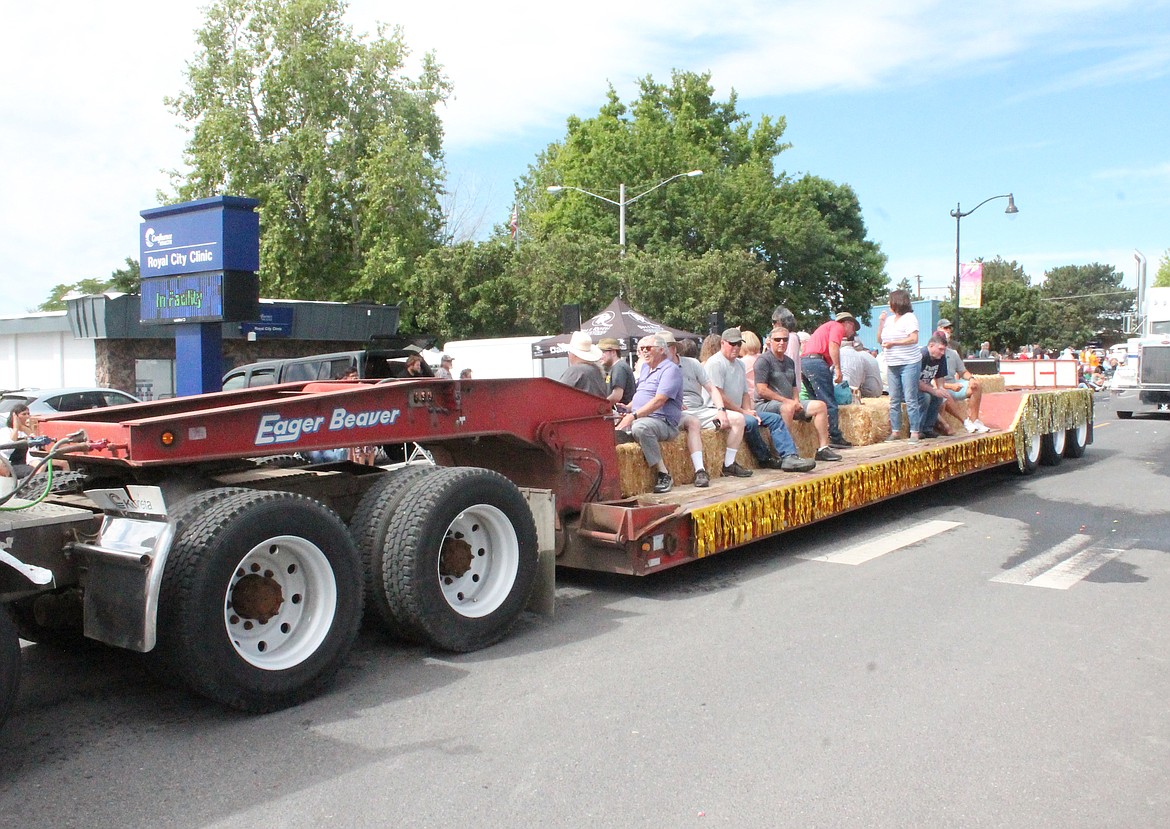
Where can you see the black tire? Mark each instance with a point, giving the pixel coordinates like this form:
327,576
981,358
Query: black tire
1077,439
464,559
369,526
1124,415
1052,448
1031,454
242,631
9,664
164,663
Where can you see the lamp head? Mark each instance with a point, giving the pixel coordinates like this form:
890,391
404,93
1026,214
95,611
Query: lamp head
555,188
1011,208
694,173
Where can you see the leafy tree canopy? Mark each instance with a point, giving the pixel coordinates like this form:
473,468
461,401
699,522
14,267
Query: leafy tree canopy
1162,276
123,280
285,104
807,234
1074,304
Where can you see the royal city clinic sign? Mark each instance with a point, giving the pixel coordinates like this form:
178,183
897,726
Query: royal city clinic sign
199,259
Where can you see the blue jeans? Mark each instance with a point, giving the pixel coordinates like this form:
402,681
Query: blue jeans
929,406
820,379
781,439
903,383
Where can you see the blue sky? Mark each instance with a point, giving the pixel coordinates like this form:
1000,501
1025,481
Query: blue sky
916,105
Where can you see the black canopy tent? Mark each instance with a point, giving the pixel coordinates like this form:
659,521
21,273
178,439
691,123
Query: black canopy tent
619,321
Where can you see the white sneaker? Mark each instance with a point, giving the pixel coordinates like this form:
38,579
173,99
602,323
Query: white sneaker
979,427
969,425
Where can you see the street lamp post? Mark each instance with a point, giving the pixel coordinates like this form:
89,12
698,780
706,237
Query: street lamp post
957,214
622,201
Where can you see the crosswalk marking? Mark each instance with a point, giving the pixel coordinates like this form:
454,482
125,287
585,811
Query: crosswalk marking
1064,565
861,553
1071,570
1026,571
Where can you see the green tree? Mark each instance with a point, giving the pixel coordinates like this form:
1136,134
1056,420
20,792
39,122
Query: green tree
1162,276
1083,302
461,292
123,280
344,152
808,234
1011,315
904,284
822,260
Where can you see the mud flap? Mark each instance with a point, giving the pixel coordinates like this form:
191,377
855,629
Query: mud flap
543,504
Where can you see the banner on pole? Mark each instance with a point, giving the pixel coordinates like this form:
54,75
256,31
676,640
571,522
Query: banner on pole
971,285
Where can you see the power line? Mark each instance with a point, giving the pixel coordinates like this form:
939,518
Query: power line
1086,296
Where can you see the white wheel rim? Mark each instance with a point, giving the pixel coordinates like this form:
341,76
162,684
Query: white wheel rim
280,604
479,561
1058,442
1082,434
1033,449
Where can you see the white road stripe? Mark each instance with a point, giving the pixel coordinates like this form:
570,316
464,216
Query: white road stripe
1025,571
861,553
1070,571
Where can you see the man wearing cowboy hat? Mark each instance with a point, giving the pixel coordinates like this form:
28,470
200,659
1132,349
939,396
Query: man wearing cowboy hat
619,377
583,372
820,358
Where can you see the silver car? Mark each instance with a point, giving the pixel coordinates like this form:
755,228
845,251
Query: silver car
52,401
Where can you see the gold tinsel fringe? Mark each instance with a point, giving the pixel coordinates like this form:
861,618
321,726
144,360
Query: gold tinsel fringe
752,517
1044,413
739,521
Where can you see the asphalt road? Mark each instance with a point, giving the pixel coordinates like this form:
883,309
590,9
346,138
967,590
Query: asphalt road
1010,670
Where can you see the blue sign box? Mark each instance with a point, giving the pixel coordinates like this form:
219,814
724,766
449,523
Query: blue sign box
273,322
199,297
216,234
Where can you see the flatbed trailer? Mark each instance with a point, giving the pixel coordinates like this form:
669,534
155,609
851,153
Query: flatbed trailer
246,576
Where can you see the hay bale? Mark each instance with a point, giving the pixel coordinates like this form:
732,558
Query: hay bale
856,422
637,477
992,383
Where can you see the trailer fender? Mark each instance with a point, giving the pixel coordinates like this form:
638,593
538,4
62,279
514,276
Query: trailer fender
125,566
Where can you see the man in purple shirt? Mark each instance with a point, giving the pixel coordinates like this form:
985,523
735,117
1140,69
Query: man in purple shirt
654,412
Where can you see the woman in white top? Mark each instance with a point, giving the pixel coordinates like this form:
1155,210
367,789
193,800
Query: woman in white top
18,426
898,335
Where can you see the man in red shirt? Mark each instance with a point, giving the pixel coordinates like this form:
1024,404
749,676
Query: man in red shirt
820,359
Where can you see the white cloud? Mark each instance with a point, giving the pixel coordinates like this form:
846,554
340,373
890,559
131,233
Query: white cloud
85,132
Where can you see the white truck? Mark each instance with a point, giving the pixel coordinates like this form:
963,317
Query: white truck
1142,383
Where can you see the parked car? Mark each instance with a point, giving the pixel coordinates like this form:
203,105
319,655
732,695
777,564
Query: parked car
385,357
52,401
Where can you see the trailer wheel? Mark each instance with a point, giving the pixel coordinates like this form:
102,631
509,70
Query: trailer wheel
463,559
261,599
369,526
1076,439
1031,454
1052,448
9,663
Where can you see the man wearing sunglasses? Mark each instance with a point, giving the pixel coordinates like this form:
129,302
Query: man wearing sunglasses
728,375
654,413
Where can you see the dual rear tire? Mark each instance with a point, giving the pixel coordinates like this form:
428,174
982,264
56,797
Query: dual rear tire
452,554
262,591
